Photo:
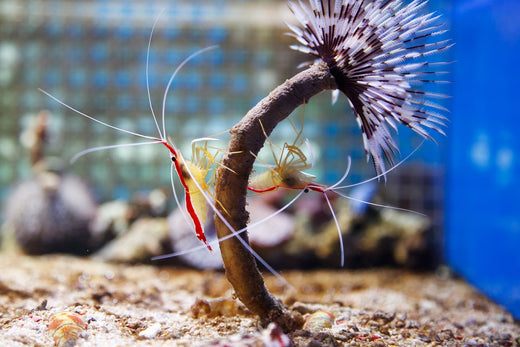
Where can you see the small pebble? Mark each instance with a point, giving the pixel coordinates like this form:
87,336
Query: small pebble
151,332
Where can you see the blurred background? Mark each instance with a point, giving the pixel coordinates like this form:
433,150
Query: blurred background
92,56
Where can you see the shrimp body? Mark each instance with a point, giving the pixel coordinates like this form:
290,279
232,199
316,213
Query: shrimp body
192,177
288,173
266,181
288,170
286,177
197,199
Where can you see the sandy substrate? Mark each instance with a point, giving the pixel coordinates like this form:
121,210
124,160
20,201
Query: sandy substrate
141,305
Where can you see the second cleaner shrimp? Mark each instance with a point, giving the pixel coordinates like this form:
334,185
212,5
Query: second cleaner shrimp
288,172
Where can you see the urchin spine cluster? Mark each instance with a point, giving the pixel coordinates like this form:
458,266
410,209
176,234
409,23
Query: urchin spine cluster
378,53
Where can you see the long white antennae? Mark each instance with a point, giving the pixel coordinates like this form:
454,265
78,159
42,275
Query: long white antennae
94,119
342,262
163,136
349,163
100,148
383,173
215,242
201,139
193,55
377,205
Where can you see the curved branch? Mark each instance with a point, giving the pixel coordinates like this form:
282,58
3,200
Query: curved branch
231,185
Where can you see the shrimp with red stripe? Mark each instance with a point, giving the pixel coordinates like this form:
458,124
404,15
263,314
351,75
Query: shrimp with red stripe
288,172
187,171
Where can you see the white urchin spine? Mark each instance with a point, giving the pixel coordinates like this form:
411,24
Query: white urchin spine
377,52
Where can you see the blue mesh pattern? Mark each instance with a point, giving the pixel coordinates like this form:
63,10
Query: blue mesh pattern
92,55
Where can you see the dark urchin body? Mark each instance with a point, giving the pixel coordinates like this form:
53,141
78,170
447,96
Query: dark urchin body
51,213
377,52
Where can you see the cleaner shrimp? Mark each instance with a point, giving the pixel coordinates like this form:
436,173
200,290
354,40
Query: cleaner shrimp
192,174
187,171
288,173
289,165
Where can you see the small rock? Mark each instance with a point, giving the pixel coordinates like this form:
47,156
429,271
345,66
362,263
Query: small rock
51,213
144,239
151,332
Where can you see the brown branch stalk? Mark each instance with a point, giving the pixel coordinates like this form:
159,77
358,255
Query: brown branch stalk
232,179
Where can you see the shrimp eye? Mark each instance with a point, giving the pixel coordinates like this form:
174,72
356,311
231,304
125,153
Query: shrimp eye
174,158
306,190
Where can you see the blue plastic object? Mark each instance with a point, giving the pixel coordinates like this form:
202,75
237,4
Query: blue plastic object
483,208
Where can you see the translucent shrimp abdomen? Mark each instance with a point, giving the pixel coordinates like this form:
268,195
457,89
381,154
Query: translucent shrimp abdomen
197,198
265,181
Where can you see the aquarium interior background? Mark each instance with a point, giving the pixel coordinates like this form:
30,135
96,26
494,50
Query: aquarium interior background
92,55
